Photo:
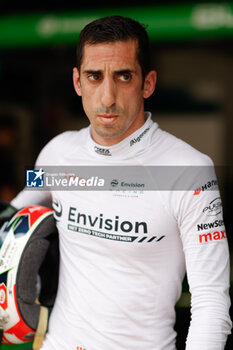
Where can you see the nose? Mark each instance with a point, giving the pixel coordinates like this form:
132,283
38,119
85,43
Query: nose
108,92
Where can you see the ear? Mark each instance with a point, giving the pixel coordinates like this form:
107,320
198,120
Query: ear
76,81
149,84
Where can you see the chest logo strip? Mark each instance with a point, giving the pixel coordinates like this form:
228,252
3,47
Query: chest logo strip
92,226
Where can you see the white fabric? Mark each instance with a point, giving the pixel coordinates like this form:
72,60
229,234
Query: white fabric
120,294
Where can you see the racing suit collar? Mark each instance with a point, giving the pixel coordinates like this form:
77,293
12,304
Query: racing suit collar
134,143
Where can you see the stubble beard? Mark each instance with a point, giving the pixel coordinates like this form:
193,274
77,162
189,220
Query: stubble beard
109,131
116,130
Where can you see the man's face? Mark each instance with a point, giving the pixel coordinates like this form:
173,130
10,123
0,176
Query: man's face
110,83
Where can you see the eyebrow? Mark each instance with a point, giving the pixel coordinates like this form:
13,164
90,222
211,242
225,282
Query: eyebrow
123,71
92,71
99,71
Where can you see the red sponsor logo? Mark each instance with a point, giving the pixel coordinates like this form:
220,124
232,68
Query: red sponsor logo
197,191
3,296
207,186
215,236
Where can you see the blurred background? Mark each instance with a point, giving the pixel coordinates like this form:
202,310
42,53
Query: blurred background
192,51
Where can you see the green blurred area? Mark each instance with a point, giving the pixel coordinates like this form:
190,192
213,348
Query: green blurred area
174,22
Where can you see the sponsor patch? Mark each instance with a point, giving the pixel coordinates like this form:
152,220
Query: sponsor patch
207,186
214,207
212,237
209,225
102,151
139,137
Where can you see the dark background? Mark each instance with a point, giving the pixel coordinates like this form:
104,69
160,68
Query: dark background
61,5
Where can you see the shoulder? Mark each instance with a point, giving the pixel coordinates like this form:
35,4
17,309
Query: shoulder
174,151
61,145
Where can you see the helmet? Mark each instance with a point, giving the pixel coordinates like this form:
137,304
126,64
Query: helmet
29,263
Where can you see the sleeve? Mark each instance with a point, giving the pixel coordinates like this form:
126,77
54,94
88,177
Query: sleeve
26,198
200,219
51,154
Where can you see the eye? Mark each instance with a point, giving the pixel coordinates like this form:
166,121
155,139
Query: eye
125,77
93,77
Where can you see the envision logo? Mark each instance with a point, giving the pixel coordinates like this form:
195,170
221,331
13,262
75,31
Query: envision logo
101,222
116,228
57,206
114,183
131,184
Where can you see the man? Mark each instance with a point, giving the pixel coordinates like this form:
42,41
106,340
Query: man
124,254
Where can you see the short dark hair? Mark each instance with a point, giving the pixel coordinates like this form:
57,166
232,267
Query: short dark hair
116,28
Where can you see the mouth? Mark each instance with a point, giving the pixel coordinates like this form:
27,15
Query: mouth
107,118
